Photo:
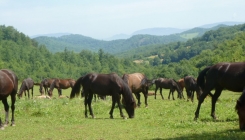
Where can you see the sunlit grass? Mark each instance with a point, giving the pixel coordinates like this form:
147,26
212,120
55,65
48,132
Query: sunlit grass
163,119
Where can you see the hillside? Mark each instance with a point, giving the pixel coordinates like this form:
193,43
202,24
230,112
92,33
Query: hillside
76,43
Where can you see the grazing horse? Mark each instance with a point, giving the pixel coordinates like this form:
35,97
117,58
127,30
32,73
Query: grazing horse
60,84
191,87
240,108
8,86
45,83
230,76
167,84
27,84
105,84
137,82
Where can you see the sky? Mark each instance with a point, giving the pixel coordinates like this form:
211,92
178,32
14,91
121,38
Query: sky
101,19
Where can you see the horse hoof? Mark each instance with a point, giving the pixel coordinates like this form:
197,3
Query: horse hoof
12,124
111,117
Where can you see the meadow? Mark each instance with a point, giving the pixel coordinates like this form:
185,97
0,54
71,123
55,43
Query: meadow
56,119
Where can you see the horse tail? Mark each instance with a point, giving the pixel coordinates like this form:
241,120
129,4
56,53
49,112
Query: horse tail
201,77
177,85
76,88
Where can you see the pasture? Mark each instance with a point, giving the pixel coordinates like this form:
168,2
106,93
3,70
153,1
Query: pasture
55,119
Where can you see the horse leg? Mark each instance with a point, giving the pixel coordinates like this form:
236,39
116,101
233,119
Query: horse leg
32,92
169,94
161,93
85,104
214,99
138,98
117,99
146,96
90,97
28,93
201,99
192,95
173,95
13,99
113,106
6,108
156,91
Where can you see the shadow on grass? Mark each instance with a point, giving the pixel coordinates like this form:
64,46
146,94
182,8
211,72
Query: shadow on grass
229,134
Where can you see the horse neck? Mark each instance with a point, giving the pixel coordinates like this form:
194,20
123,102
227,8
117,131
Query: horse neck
22,88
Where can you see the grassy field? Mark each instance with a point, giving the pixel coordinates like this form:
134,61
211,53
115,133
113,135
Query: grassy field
55,119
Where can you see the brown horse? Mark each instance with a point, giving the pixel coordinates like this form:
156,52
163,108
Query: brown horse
191,87
230,76
167,84
181,83
60,84
240,108
8,86
137,82
27,84
105,84
45,83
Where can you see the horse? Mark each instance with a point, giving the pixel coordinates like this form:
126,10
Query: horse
8,86
240,108
224,75
60,84
167,84
181,84
191,87
45,83
105,84
137,82
27,84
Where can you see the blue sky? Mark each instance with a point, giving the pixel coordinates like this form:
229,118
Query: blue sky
104,18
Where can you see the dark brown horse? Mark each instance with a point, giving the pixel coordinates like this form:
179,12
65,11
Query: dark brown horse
8,86
240,108
230,76
60,84
190,87
105,84
27,84
137,82
167,84
45,83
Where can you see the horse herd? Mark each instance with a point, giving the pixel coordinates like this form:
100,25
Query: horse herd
230,76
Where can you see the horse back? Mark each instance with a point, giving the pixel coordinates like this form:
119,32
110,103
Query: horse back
134,81
228,75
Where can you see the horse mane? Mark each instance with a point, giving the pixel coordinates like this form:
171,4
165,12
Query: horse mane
125,78
127,95
76,88
201,77
144,81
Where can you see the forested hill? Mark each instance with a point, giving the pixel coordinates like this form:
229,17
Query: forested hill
27,58
79,42
177,51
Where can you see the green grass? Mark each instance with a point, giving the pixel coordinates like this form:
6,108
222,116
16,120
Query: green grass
56,119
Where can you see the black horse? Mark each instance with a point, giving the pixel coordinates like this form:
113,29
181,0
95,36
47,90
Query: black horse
105,84
240,108
191,87
27,84
167,84
8,86
230,76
